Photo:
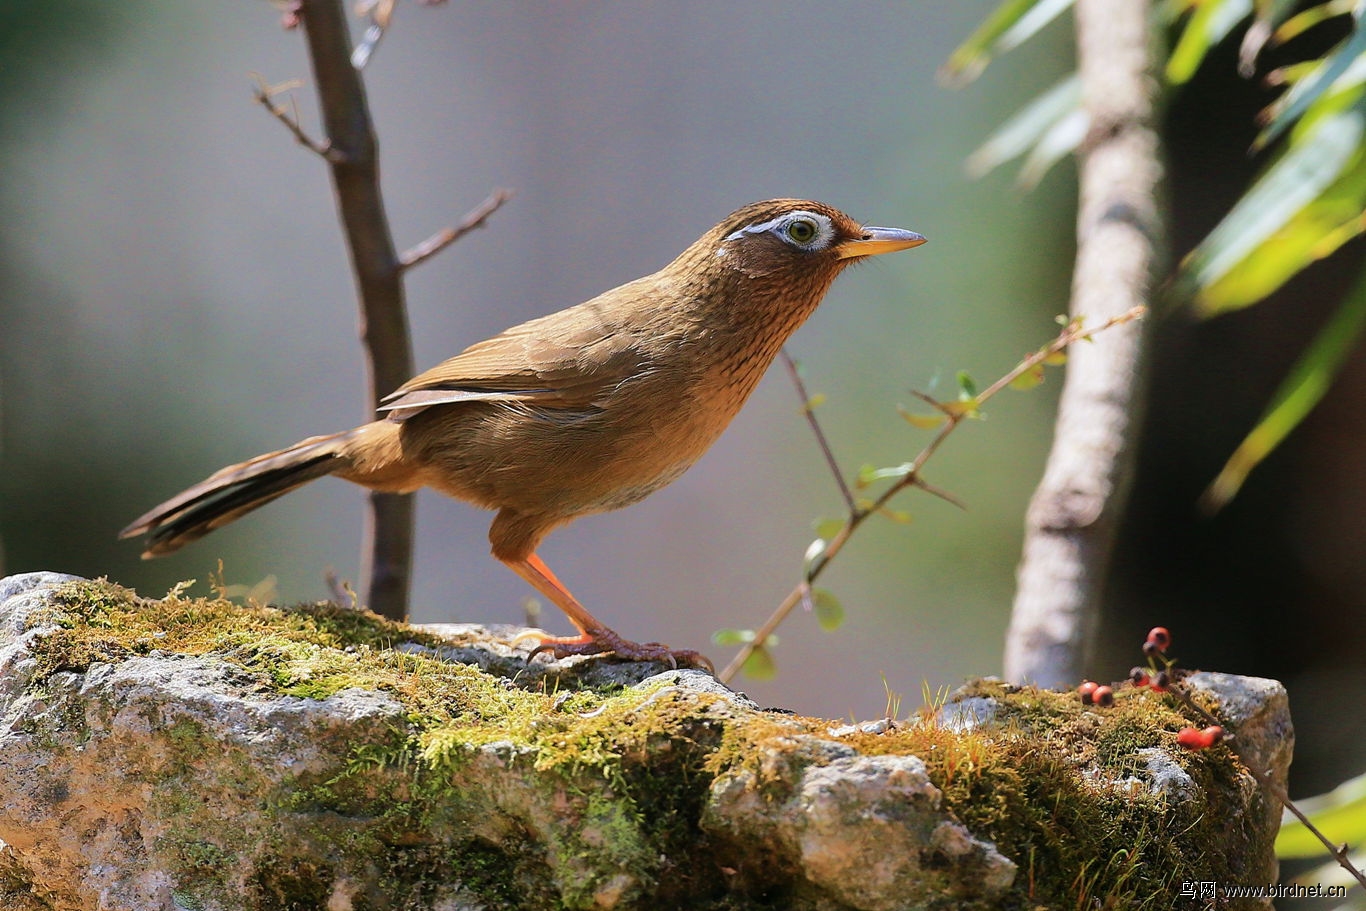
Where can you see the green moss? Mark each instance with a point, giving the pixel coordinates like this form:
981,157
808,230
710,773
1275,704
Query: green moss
624,772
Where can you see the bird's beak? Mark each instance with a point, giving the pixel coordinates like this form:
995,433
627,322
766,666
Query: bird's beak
879,240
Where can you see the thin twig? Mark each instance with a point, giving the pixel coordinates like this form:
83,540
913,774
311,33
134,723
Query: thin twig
1339,852
821,439
954,414
265,93
439,241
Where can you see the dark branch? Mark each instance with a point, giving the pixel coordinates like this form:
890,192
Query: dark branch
353,155
474,219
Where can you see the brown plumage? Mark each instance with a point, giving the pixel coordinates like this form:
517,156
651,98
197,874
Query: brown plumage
585,410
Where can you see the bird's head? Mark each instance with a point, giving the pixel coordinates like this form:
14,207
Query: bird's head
798,238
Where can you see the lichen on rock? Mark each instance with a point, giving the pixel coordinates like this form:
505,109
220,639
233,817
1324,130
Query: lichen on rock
192,753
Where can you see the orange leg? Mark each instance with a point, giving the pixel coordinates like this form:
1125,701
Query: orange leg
594,637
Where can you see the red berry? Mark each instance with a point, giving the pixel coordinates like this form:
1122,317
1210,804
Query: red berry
1192,738
1087,688
1139,676
1161,681
1103,695
1159,638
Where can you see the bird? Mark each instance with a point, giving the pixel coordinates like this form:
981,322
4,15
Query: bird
585,410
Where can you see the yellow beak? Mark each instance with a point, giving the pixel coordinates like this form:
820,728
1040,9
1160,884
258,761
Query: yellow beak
879,240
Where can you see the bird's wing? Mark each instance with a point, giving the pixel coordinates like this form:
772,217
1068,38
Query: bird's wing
552,362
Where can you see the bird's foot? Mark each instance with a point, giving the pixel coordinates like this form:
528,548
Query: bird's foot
604,641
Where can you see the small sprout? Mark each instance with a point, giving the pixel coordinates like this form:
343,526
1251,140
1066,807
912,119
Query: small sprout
814,402
967,387
814,552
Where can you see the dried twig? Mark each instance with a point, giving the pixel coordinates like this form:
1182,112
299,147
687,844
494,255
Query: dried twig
475,218
1339,852
954,414
808,409
265,94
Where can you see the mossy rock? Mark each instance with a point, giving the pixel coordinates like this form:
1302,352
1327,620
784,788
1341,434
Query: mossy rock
195,753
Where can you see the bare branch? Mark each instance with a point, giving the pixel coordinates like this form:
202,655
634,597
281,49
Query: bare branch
265,95
474,219
1074,331
352,153
1073,517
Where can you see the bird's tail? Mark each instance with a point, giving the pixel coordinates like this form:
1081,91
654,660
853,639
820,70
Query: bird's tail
236,490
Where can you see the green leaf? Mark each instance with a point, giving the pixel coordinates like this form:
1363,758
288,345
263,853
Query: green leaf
1026,128
1029,379
1208,25
1260,243
967,387
1341,814
1303,21
816,401
827,608
1013,23
828,528
923,421
1308,90
730,638
1306,385
760,664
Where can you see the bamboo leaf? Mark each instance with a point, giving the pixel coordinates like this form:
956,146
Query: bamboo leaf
1026,128
1308,90
1208,25
1238,263
1013,23
1304,388
1061,140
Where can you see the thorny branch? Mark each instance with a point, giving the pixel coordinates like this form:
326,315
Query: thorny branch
954,414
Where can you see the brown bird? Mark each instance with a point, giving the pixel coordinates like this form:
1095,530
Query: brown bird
582,411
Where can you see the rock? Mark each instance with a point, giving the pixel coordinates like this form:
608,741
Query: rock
195,754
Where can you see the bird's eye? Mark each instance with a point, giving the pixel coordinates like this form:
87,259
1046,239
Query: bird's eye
802,231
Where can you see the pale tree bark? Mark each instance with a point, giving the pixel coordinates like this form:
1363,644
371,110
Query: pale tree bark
1073,517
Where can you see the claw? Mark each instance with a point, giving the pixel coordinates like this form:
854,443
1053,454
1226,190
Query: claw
606,641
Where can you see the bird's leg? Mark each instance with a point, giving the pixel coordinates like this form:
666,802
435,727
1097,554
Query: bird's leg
594,637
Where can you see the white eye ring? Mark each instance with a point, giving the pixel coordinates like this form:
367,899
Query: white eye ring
823,231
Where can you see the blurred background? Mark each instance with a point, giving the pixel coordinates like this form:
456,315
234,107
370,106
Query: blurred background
175,296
